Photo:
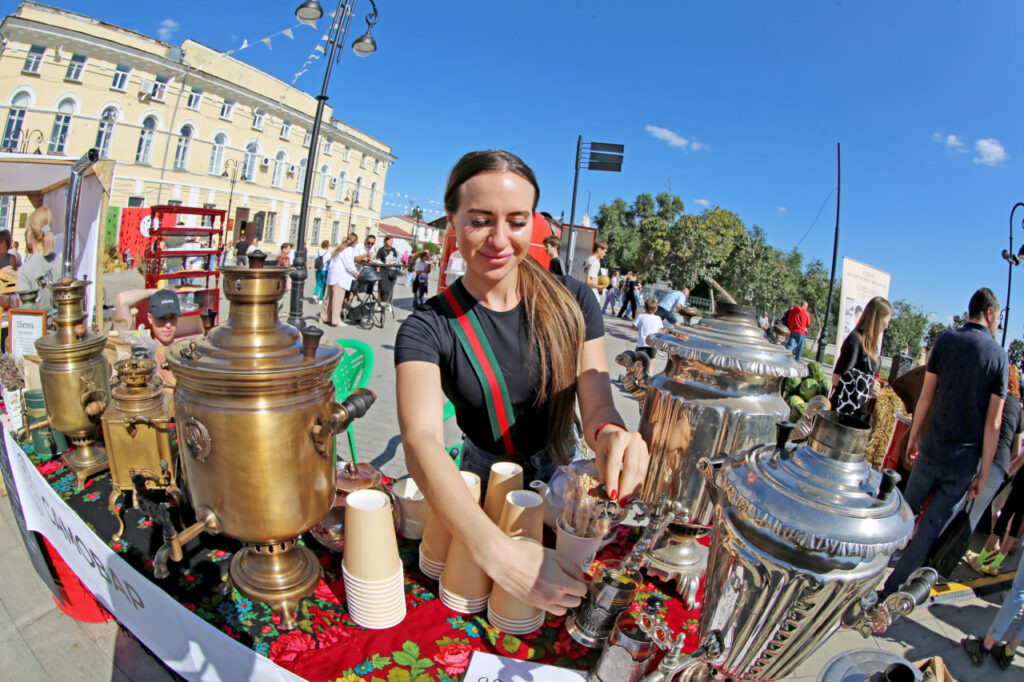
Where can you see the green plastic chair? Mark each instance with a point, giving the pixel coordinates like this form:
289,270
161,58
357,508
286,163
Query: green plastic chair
352,372
454,450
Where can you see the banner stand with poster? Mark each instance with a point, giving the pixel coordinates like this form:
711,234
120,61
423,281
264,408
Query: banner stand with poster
860,284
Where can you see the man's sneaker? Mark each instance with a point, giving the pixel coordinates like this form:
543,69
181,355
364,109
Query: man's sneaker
975,649
1003,656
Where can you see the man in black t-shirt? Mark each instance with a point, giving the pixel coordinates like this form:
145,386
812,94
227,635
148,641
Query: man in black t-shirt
552,247
387,282
964,387
242,246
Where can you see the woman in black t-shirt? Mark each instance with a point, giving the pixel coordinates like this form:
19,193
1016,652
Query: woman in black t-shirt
858,362
536,349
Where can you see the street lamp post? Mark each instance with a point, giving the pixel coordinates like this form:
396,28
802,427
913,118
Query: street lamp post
309,12
233,165
352,201
1012,259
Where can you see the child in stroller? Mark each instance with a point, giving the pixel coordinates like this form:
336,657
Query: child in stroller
364,308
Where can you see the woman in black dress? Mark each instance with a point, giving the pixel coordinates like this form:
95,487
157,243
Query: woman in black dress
853,377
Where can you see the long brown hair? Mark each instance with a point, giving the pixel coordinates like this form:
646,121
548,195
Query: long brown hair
554,317
870,324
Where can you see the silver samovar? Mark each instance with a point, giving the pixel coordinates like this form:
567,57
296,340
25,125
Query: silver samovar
801,537
720,392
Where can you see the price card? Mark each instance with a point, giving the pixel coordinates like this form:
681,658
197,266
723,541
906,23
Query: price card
24,326
485,667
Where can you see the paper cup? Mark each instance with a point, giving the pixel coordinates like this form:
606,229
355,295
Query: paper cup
436,536
429,568
523,515
371,548
413,506
460,605
509,609
473,483
462,578
504,478
515,627
575,550
375,620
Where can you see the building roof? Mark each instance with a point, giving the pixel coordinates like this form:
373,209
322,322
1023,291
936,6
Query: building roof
395,231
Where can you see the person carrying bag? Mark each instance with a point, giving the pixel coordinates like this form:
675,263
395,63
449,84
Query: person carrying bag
853,377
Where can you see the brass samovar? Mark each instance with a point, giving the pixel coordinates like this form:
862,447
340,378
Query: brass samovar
256,421
75,379
137,431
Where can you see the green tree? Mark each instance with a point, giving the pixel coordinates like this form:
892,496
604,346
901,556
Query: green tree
702,245
1016,353
757,274
621,236
907,328
416,213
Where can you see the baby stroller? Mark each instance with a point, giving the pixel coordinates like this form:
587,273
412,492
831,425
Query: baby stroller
364,308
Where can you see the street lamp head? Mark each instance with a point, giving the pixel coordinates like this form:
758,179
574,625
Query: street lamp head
309,12
224,174
364,45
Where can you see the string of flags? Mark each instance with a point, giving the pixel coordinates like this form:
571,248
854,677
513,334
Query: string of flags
319,50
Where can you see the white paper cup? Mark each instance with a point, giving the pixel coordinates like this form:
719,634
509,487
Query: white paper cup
504,478
575,550
523,515
430,568
413,506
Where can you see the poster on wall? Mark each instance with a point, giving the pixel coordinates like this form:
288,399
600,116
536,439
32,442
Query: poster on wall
860,284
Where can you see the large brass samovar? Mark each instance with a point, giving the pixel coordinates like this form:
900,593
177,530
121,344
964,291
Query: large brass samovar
256,421
137,431
720,392
801,535
75,379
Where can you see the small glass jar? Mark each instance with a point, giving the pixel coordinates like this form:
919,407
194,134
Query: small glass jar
611,590
629,652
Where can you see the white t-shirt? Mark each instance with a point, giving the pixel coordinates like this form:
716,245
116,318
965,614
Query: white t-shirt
592,270
646,324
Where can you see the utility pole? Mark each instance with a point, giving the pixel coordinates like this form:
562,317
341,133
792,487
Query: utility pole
823,336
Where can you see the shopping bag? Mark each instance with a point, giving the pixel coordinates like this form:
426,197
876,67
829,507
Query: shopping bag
952,544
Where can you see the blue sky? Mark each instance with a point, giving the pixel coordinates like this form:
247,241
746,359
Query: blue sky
730,103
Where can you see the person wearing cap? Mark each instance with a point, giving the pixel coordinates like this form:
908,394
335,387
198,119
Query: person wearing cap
161,319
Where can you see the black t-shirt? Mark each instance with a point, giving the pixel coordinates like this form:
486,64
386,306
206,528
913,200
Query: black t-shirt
853,356
382,256
1011,426
427,336
970,368
556,267
241,247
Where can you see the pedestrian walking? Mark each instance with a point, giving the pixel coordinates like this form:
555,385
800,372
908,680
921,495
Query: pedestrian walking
853,377
323,255
647,323
611,293
798,320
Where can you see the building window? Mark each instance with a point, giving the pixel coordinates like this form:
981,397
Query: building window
362,161
328,144
373,194
195,96
280,163
293,229
305,140
342,180
286,129
6,212
120,81
257,119
301,177
314,236
270,227
321,188
75,67
61,125
15,121
217,153
145,149
184,144
34,59
376,167
348,153
105,131
335,229
159,88
358,189
207,220
136,202
252,151
226,109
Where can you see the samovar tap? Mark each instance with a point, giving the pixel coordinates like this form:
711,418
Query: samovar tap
868,617
675,661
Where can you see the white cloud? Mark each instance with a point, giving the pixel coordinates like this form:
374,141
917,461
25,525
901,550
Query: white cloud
702,202
951,141
167,29
781,210
990,152
697,146
666,135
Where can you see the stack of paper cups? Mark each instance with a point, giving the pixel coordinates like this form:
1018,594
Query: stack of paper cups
372,569
504,478
437,539
523,515
512,616
413,506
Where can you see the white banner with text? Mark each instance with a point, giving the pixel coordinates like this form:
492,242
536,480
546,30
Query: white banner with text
861,283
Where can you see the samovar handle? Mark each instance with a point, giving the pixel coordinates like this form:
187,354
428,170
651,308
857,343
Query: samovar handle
709,468
93,399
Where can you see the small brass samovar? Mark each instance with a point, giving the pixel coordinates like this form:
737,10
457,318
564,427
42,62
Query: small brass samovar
256,421
75,379
137,431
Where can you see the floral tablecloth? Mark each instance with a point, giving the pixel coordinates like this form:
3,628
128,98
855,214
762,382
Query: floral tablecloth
432,643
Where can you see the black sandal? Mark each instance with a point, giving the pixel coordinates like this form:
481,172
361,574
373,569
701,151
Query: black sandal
975,649
1003,657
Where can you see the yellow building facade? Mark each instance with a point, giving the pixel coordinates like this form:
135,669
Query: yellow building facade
186,125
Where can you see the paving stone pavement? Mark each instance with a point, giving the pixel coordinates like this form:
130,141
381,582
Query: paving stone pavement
38,642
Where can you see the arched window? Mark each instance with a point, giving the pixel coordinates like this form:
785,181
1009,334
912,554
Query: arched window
145,150
217,153
15,121
342,181
61,125
105,131
358,189
280,163
252,150
373,194
301,177
321,188
184,145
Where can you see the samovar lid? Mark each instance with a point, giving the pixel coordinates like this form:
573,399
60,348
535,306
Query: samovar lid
72,338
821,496
253,343
730,340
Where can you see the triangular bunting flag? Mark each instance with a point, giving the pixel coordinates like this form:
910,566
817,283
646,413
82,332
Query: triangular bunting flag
323,37
245,44
266,41
319,48
288,32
